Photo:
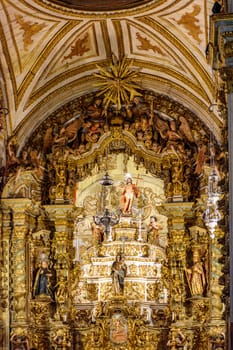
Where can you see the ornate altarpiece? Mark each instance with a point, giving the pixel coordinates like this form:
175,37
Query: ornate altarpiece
63,228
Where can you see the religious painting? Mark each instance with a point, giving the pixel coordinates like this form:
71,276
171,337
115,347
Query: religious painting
118,329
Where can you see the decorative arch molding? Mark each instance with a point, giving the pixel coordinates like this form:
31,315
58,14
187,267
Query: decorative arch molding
63,97
118,141
160,133
154,100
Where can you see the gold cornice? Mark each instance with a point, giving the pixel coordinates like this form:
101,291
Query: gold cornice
100,14
177,213
171,6
42,57
180,46
222,16
16,203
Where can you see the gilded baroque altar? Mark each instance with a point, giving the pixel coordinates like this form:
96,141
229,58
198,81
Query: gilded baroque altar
87,271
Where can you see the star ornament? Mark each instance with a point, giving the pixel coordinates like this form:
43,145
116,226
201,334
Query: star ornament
118,83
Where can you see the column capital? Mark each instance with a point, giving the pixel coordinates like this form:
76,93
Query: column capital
176,215
176,210
220,48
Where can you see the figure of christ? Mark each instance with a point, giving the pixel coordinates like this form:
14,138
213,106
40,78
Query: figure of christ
130,192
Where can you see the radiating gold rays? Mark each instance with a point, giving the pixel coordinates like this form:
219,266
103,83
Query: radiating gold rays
119,83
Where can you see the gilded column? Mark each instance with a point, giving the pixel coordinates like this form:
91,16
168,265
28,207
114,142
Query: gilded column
177,242
14,241
18,262
221,59
62,246
5,219
217,308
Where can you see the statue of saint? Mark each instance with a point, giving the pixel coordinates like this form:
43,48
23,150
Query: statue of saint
196,276
41,287
118,272
130,192
153,231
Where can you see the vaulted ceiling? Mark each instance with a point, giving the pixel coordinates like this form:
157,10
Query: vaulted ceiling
50,50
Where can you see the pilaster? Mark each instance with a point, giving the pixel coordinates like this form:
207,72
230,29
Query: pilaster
177,242
63,256
221,59
14,239
6,230
18,261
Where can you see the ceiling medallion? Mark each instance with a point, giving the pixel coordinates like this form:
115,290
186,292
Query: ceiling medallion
100,5
118,83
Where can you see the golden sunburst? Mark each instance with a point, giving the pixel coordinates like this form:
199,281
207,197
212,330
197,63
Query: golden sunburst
118,83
